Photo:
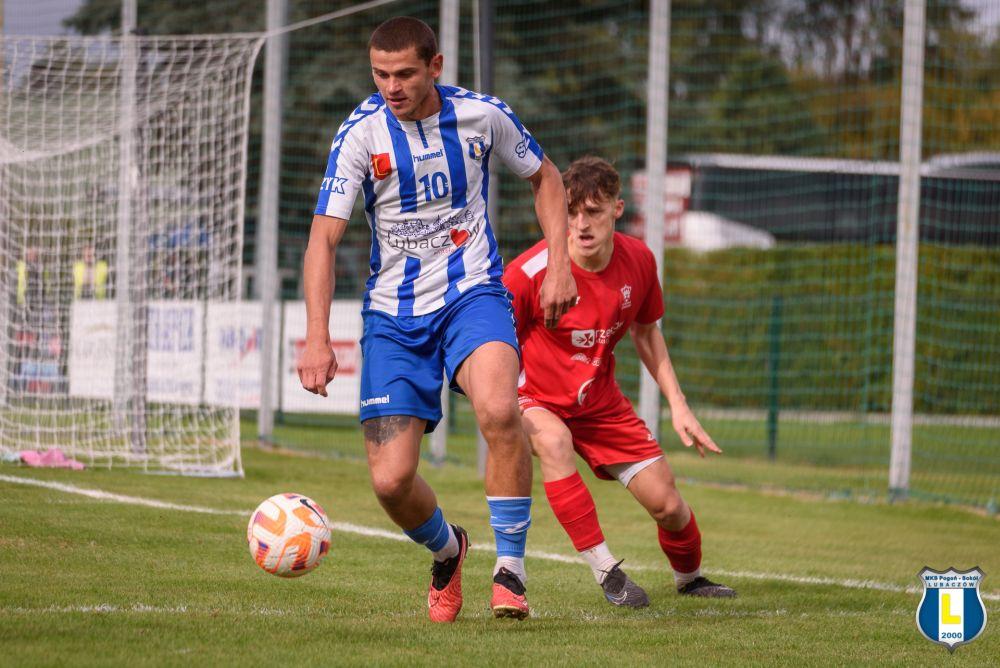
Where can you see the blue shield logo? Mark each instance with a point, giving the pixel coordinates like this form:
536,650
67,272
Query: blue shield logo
951,611
477,147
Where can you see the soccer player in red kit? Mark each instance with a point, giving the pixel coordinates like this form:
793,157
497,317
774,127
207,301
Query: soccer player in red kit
570,399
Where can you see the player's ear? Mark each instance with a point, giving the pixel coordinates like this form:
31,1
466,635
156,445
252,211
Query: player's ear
436,65
619,208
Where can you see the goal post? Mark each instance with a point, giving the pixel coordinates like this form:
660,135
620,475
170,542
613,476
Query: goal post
118,281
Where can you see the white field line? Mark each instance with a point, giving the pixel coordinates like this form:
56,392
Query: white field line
111,496
373,532
659,613
838,417
139,608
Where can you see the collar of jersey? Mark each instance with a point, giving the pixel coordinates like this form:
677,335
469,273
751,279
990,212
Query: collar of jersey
430,121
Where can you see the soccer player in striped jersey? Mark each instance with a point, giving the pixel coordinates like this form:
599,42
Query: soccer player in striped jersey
435,301
570,399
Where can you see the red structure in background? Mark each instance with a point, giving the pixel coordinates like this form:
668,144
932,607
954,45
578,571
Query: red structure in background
676,199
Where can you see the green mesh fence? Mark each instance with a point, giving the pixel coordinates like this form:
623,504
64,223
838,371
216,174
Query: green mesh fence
956,442
787,352
784,144
783,342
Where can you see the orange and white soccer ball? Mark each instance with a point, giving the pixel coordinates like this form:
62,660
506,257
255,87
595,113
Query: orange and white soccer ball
289,535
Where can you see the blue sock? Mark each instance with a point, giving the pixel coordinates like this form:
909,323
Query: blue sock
432,534
510,517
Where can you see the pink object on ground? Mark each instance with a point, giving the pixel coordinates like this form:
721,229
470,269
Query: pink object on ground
52,458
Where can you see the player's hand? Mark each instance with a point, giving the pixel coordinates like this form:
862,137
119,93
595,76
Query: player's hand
557,294
317,366
690,430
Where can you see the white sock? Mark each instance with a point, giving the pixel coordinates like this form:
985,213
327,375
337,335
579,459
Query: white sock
513,564
681,579
450,548
600,560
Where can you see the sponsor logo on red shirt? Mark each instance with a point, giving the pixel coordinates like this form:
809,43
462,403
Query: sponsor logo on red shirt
582,338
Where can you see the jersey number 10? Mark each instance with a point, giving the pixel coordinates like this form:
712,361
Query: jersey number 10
436,184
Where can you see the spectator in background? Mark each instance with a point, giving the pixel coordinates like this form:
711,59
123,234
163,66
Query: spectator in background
30,283
90,276
30,317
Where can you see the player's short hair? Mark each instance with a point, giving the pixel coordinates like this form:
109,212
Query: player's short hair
591,178
402,32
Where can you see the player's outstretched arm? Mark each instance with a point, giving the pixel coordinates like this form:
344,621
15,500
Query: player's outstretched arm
558,290
652,351
318,364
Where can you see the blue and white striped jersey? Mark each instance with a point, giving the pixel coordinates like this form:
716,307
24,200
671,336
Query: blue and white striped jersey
425,187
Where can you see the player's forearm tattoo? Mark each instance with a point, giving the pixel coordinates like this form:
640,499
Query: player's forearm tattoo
381,430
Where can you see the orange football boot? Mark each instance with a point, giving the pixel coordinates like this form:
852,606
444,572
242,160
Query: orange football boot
444,598
508,596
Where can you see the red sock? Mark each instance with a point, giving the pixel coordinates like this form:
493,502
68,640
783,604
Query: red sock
683,548
574,507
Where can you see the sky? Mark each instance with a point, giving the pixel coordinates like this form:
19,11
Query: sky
36,17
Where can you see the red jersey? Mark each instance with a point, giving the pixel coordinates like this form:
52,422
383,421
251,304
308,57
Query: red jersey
571,368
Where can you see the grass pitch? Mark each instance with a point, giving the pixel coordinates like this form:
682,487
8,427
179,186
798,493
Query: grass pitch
90,581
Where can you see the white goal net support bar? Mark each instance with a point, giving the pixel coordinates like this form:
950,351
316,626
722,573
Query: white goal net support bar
122,173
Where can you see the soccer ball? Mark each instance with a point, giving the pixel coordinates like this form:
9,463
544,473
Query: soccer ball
288,535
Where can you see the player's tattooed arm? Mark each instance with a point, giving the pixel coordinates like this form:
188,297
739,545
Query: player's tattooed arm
381,430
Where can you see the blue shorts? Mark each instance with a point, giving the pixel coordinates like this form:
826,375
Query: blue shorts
405,357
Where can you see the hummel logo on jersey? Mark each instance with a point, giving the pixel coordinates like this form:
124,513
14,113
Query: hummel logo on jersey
582,338
427,156
381,166
334,184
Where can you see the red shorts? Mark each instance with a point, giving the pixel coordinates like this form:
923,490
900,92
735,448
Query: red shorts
612,435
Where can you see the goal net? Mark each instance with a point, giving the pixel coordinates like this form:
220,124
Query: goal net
122,175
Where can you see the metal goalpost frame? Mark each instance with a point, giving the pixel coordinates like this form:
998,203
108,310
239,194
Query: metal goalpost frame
484,16
266,260
907,246
656,169
450,15
4,298
129,396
